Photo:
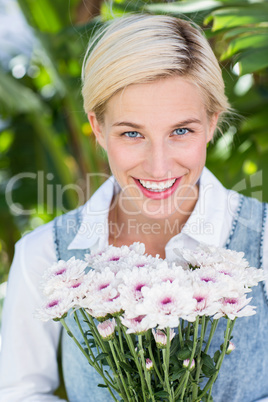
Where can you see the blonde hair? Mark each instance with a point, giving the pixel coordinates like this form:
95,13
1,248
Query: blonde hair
143,48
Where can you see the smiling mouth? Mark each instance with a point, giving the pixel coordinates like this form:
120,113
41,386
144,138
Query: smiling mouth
157,187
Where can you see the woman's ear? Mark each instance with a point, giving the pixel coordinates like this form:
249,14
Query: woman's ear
97,129
212,126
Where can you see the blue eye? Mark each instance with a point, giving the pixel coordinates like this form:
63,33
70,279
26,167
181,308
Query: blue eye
132,134
181,131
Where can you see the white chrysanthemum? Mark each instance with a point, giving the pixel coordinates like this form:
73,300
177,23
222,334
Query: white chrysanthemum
109,255
137,247
231,256
60,274
207,299
136,325
199,256
244,276
165,303
54,309
205,255
133,281
164,273
66,270
139,261
233,307
101,296
217,282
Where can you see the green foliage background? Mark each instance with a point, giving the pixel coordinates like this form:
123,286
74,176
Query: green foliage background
47,131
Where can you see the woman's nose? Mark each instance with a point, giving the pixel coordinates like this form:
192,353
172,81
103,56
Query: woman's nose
158,161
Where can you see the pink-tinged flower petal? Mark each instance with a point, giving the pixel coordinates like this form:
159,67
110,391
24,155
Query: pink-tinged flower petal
61,274
161,338
233,307
149,364
230,348
106,329
186,363
54,309
137,325
165,303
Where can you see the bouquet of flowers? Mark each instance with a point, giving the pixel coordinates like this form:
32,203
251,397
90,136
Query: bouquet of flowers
150,320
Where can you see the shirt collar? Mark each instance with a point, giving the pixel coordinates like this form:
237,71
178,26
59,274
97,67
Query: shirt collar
93,230
204,224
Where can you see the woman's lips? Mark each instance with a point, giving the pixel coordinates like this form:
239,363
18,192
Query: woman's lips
161,195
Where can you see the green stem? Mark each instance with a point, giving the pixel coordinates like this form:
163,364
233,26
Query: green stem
93,364
188,331
210,383
165,353
148,338
186,375
184,385
212,331
180,335
118,322
102,344
146,373
198,360
134,354
159,361
88,318
84,337
120,355
123,386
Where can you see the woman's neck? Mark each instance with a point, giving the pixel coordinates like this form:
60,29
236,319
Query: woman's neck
126,228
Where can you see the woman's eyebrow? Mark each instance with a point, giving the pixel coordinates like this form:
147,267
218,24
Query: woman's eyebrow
138,126
126,123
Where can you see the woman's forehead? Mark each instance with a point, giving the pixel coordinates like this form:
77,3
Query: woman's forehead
173,95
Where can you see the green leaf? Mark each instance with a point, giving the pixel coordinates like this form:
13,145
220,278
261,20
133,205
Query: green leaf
209,372
216,356
11,90
208,367
128,356
245,42
245,30
127,367
183,354
175,345
238,16
184,7
101,356
207,361
102,385
177,375
253,60
162,394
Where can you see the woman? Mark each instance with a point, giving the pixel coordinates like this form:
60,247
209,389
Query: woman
154,96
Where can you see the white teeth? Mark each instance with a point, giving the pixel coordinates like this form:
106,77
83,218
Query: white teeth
154,186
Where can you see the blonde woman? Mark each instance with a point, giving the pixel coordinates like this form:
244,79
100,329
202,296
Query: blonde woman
154,95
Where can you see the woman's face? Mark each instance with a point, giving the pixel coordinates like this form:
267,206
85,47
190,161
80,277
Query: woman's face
156,136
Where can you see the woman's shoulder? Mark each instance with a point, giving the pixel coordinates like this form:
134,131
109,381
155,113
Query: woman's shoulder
34,253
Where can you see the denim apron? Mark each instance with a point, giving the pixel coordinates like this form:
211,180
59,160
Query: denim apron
244,374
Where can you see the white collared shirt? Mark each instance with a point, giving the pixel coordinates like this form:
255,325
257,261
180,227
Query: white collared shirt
28,359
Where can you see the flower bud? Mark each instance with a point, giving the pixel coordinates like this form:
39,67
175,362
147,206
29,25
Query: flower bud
161,338
230,348
106,329
186,364
149,364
